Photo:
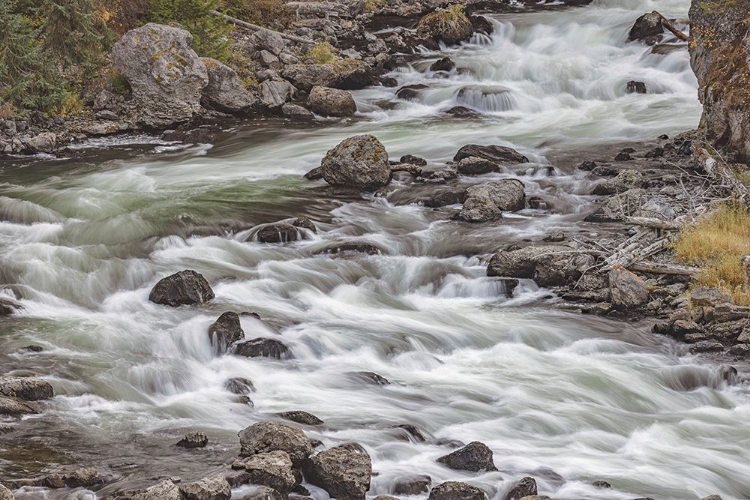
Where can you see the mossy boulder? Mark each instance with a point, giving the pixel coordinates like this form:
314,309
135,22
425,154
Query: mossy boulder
360,162
449,26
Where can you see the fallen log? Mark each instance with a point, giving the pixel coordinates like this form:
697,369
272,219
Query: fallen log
654,268
651,223
255,27
668,24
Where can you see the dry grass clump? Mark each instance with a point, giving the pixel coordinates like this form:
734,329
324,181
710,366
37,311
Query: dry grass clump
716,245
322,53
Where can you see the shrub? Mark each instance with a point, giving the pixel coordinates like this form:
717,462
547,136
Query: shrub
375,5
209,31
716,244
124,15
262,12
322,53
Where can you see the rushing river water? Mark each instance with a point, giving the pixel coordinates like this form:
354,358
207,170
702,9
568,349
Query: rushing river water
591,399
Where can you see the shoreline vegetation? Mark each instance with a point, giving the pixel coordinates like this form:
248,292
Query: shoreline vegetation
678,208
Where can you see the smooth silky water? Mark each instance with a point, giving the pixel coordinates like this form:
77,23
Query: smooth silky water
591,399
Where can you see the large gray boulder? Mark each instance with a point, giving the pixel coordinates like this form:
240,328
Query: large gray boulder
183,288
266,437
15,406
272,469
225,91
547,265
331,102
345,74
26,388
165,490
360,161
344,471
275,93
208,488
486,202
720,57
42,143
626,289
5,493
166,76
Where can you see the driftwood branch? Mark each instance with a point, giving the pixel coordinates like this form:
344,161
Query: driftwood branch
651,223
255,27
668,24
654,268
327,9
722,174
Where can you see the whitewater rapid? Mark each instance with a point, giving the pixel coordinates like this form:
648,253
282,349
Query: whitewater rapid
83,241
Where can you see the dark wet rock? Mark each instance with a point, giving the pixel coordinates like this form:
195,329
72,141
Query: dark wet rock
360,162
444,64
602,485
647,27
634,87
622,156
437,176
474,457
498,154
412,485
306,223
623,181
709,297
225,331
385,497
356,247
183,288
462,112
279,232
272,469
551,265
388,82
445,197
265,437
413,170
626,289
8,307
413,160
237,478
410,92
588,166
712,497
331,102
225,91
301,417
453,490
657,152
26,388
344,74
523,488
413,432
15,406
188,133
194,440
314,174
208,488
85,476
476,166
240,386
450,26
706,346
165,75
371,378
263,348
344,471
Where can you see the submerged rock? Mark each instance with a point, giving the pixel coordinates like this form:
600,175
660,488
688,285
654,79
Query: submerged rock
371,378
265,437
183,288
193,440
225,331
412,485
263,348
15,406
360,161
301,417
241,386
497,154
474,457
454,490
279,232
344,471
444,64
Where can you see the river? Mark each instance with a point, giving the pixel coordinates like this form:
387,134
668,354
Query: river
84,240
